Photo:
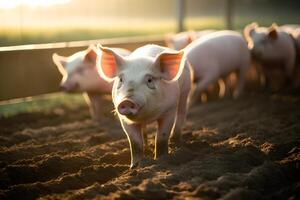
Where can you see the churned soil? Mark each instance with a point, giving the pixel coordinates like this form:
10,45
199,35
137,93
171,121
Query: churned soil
247,148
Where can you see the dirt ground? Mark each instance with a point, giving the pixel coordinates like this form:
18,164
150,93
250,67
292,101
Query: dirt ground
232,149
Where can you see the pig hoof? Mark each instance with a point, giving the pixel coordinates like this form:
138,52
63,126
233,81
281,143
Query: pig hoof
134,165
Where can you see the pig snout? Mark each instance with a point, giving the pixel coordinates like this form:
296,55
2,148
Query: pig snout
128,107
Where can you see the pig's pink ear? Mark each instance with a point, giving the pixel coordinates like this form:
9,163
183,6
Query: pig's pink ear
169,40
249,30
60,62
191,37
91,54
170,65
273,31
109,63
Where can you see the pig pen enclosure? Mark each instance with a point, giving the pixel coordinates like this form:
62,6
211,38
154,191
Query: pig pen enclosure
245,148
231,149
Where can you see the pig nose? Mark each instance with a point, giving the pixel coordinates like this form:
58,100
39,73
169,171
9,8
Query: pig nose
128,107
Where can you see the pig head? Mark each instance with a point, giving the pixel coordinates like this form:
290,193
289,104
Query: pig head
80,73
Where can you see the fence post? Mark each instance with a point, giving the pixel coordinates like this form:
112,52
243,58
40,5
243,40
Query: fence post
229,14
180,12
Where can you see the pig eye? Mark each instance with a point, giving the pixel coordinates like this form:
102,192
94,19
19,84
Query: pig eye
120,82
150,81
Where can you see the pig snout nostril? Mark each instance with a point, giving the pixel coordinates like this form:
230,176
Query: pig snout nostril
127,107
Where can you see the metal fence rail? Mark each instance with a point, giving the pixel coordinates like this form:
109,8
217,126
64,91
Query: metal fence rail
28,70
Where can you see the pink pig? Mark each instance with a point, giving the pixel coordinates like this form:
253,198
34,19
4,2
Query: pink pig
181,40
215,56
80,74
152,84
294,31
274,50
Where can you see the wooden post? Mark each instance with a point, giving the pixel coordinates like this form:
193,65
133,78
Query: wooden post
180,12
229,14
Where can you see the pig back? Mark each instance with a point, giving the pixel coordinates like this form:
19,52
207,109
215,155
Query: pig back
219,52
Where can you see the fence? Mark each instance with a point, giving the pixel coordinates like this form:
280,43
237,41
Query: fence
29,70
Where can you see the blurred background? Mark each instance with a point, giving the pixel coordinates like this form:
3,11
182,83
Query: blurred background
46,21
27,71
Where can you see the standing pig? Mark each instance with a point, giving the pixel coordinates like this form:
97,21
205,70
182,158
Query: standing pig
296,75
152,84
80,74
294,31
181,40
274,50
215,56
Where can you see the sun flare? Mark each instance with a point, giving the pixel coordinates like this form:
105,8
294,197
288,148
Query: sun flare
10,4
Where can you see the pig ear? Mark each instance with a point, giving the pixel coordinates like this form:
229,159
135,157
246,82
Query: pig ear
273,31
191,37
169,40
60,62
109,63
91,54
170,65
249,30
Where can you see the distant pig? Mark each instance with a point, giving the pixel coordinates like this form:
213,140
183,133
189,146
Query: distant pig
152,84
215,56
80,74
294,31
181,40
275,52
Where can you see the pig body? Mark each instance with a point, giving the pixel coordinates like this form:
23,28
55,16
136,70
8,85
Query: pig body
181,40
80,75
274,50
152,84
295,33
215,56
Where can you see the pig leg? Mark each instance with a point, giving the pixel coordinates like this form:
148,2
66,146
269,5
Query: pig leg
145,138
134,135
223,87
241,82
181,116
202,85
165,127
95,103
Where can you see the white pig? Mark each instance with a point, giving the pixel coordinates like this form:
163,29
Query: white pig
181,40
152,84
215,56
295,33
80,75
274,50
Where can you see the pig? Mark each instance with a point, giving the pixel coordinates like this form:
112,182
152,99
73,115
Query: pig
80,75
274,51
289,28
214,57
294,31
150,85
181,40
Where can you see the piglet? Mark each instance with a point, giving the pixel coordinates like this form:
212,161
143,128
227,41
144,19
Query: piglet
152,84
274,50
215,56
80,75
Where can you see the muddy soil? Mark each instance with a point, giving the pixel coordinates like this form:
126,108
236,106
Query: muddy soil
231,149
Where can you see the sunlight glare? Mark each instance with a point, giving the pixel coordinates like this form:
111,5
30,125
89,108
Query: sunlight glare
10,4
